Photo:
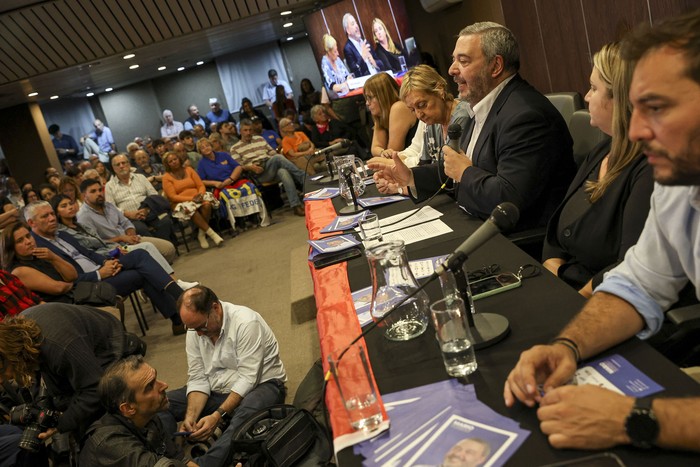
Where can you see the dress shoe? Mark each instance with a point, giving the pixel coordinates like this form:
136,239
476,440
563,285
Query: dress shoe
299,210
179,329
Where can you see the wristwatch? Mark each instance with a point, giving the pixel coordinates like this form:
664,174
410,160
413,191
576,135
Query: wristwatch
642,425
223,413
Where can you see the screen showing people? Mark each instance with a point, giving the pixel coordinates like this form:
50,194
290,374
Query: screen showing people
355,39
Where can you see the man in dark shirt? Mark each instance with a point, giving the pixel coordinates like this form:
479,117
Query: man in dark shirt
66,146
130,433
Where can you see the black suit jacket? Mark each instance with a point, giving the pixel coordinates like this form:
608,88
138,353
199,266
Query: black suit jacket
598,240
523,155
68,238
356,64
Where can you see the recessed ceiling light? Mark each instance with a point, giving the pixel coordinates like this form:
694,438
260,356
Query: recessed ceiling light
90,94
128,56
290,38
54,97
133,67
32,94
286,12
109,89
287,25
181,68
200,63
161,68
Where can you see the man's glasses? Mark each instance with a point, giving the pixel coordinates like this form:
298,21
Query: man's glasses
203,327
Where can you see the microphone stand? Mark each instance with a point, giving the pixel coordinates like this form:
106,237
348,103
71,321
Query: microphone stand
331,176
355,207
487,329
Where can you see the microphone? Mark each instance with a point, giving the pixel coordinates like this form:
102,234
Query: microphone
454,131
503,217
339,145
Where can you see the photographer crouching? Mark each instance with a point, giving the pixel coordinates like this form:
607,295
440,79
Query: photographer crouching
69,346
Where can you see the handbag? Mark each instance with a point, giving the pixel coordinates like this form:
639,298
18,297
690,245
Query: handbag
280,436
95,294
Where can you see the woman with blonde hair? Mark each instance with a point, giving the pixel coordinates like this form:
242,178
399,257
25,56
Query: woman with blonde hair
389,53
394,123
607,204
335,74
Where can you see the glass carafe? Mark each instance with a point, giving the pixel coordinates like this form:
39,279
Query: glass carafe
349,163
392,281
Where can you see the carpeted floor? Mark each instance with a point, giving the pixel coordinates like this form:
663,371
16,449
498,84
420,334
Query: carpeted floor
264,269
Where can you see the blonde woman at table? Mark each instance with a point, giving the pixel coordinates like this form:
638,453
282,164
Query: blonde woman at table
394,123
335,74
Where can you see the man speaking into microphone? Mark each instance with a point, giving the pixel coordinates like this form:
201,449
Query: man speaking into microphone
516,147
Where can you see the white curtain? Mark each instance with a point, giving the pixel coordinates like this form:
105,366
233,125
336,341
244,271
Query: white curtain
244,73
74,116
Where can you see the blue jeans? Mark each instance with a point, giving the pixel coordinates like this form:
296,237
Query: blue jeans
263,395
279,168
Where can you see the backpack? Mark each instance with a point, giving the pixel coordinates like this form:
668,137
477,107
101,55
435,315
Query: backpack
280,436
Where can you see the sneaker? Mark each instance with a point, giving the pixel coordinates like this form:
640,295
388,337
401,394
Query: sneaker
184,285
299,211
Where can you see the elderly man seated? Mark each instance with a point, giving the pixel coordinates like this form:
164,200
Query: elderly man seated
259,159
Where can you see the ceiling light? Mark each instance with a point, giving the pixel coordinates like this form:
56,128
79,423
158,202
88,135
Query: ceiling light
181,68
133,67
90,94
32,94
286,12
200,63
128,56
287,25
54,97
290,38
108,89
161,68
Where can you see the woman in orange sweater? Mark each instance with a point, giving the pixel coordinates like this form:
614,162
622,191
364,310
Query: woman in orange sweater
188,197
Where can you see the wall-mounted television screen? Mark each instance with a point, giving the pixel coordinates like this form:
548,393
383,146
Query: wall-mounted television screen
355,39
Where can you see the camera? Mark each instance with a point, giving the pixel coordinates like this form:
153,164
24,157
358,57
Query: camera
36,417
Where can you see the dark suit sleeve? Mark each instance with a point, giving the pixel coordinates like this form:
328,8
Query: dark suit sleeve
94,257
514,161
351,58
635,212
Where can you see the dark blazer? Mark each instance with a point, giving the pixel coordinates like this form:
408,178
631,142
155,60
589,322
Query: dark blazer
523,155
599,239
356,65
68,238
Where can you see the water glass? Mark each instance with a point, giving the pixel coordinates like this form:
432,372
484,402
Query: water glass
453,335
354,382
371,231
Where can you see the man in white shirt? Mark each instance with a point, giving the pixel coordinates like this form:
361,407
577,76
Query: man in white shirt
234,370
269,92
171,128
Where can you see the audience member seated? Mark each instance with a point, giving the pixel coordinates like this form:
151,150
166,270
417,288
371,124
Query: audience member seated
188,197
281,103
153,172
171,127
326,132
195,119
13,193
607,204
30,195
229,135
54,180
217,114
14,295
66,146
216,143
270,89
103,172
134,195
46,191
394,122
111,224
187,158
248,111
308,98
9,214
199,132
40,269
127,274
91,174
131,149
66,212
520,150
70,187
131,433
271,136
99,142
264,164
297,147
335,73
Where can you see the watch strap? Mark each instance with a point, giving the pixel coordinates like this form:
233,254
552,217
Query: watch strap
641,425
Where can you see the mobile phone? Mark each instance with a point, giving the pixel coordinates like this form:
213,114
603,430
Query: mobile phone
326,259
492,285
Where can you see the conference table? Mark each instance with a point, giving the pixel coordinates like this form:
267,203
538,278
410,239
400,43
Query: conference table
536,312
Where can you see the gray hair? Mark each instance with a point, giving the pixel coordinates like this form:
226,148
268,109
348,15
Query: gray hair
30,210
317,109
246,122
496,40
167,112
346,20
